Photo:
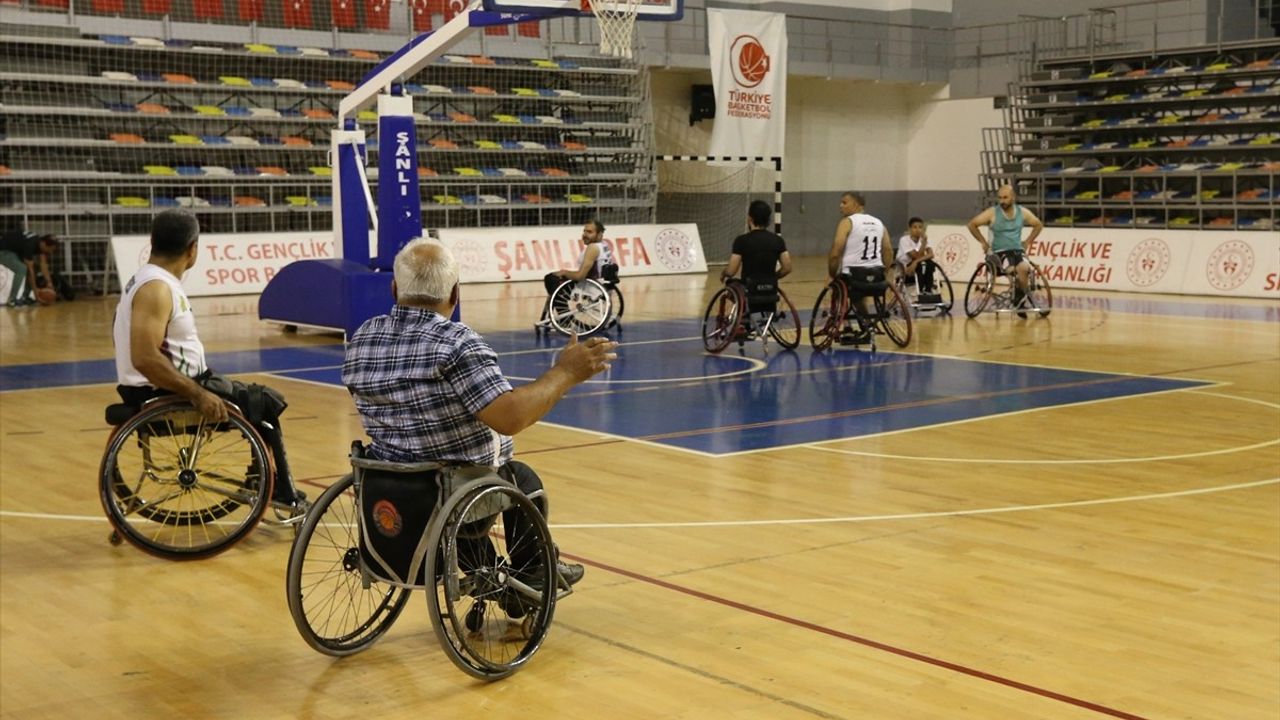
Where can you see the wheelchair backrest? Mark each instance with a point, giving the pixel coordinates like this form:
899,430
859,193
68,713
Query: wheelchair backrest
609,272
396,503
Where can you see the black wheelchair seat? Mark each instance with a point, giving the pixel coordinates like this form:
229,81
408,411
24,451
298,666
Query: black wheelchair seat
117,413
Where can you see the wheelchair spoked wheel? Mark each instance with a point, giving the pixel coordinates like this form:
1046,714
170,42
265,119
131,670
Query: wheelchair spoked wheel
578,306
616,306
980,289
720,322
1041,296
181,488
828,313
785,327
331,606
491,606
894,316
942,285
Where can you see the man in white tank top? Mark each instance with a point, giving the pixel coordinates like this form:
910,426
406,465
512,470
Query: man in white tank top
158,351
155,330
860,248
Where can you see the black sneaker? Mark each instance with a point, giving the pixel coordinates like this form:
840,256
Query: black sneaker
571,572
861,337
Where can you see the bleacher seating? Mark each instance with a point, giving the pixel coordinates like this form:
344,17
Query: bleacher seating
1187,138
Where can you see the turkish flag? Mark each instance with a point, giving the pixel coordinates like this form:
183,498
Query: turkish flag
53,3
531,29
496,30
206,9
250,10
453,8
377,14
156,7
108,6
422,10
297,13
344,13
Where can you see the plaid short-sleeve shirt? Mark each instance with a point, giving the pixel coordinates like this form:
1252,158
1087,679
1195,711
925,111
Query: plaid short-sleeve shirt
418,380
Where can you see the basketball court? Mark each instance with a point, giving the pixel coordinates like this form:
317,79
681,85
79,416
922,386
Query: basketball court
1069,516
1072,516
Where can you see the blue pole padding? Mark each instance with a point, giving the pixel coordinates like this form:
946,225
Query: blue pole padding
399,203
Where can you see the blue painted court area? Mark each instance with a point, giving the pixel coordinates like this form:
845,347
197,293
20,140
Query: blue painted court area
665,389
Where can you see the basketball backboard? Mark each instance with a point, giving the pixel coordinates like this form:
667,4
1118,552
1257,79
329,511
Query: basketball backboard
645,9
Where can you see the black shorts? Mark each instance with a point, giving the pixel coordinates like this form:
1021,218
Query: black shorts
1010,258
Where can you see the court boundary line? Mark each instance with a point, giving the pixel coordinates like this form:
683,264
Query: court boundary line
860,640
849,519
1080,403
1104,461
854,519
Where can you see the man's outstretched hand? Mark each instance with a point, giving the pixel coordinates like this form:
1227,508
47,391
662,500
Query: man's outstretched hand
584,359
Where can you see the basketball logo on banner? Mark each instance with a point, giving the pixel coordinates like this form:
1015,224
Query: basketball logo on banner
1230,265
751,62
749,73
1148,262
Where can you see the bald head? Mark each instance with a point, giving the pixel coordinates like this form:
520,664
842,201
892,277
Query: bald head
426,273
1006,196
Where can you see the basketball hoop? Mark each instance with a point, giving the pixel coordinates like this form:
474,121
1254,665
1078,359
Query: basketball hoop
617,20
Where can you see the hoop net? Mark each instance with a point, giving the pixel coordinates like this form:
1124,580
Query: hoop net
617,20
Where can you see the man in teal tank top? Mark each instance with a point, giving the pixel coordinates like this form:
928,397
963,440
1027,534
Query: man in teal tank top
1006,221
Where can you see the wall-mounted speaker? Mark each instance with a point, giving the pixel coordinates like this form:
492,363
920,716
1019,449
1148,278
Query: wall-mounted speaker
702,103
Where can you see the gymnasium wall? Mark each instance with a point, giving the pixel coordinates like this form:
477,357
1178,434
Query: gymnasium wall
912,150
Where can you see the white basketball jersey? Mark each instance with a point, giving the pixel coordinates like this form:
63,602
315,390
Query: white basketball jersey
862,247
181,345
906,246
604,258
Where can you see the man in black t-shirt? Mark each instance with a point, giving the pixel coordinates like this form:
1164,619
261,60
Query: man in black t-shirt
19,251
761,255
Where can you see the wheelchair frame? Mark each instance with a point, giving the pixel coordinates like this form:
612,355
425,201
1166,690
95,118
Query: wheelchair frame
982,290
726,321
941,284
184,488
834,308
329,581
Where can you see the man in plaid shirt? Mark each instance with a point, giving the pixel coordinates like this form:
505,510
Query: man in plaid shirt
429,389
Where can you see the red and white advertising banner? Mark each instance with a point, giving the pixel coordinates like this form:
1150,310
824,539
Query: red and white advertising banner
1188,262
229,264
749,72
528,253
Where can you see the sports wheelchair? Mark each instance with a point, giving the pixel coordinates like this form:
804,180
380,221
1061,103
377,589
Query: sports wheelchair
584,306
836,311
941,300
478,545
995,285
739,312
182,488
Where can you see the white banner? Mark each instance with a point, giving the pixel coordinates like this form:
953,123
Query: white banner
528,253
229,264
1189,262
749,72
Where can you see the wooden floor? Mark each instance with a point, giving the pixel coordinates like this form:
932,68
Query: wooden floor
1106,559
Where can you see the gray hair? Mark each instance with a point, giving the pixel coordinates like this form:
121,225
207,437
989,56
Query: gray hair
425,271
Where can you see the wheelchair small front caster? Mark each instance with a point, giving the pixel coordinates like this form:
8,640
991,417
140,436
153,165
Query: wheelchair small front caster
475,617
115,538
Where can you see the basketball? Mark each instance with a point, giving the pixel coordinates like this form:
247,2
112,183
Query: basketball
46,296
